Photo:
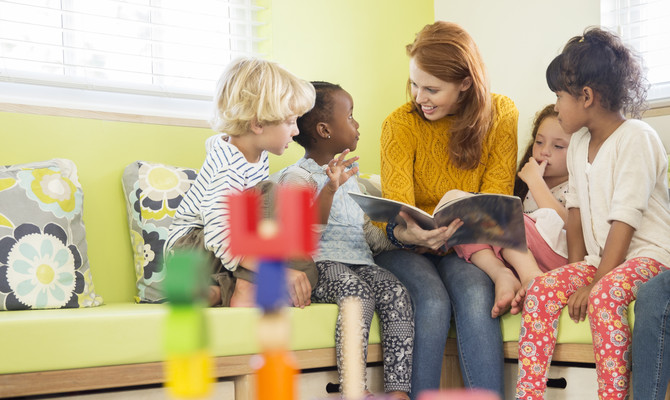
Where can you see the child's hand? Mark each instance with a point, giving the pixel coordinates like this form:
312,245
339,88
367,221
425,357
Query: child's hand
532,171
299,288
337,171
578,303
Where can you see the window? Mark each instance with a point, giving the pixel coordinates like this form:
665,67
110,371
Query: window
163,53
644,25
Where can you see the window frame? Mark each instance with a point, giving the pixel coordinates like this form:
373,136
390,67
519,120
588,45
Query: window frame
611,18
57,98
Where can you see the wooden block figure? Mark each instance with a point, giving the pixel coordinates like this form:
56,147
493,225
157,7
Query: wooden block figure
273,242
188,365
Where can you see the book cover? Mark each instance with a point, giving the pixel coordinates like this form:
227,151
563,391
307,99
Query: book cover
494,219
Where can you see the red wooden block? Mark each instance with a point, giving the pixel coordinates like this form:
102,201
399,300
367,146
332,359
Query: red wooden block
294,236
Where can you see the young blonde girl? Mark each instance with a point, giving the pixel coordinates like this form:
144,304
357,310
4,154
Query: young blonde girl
344,259
542,180
618,214
257,106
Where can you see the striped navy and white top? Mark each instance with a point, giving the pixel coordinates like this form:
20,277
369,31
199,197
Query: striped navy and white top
204,206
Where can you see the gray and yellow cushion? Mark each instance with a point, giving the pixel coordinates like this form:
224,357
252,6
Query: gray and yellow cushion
43,251
153,192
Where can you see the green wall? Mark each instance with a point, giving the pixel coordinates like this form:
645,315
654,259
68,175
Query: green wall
359,44
356,43
101,150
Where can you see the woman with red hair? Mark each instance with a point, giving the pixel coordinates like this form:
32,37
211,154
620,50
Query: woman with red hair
452,134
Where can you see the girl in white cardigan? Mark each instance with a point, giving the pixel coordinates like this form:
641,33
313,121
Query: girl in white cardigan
618,213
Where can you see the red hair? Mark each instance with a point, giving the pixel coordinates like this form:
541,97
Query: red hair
447,51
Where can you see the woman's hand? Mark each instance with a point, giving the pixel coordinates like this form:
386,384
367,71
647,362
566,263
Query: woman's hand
412,233
299,288
578,303
337,171
533,172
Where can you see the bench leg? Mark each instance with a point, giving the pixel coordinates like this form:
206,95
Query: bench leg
451,370
244,387
451,373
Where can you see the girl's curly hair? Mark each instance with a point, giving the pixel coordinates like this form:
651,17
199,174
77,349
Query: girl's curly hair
600,60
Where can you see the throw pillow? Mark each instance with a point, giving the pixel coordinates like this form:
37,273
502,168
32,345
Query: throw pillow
43,251
153,192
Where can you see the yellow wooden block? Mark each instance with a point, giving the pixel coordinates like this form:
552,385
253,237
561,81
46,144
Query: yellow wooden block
189,377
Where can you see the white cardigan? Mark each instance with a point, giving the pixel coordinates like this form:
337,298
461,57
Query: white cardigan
626,182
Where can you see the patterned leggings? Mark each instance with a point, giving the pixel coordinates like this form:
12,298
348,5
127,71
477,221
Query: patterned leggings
378,290
608,316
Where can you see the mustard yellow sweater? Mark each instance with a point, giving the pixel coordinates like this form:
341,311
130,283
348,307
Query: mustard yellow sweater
415,164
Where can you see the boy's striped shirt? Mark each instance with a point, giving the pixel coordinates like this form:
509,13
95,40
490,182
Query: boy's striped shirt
204,206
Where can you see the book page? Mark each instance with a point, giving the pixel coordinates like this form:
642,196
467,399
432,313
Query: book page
450,197
382,210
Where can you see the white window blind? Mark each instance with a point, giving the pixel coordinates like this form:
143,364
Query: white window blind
644,25
172,49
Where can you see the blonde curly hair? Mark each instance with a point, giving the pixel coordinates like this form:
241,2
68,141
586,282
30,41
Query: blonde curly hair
253,89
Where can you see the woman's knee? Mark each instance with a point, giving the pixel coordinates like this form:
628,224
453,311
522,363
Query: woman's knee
437,308
649,293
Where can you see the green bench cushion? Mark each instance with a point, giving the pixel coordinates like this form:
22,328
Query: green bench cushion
127,333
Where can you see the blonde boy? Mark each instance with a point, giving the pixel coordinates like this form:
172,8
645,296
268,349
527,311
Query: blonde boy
257,103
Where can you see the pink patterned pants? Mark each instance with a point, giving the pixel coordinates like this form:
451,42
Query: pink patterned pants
608,316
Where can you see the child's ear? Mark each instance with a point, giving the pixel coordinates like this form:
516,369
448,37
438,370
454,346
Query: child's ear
589,96
322,130
256,126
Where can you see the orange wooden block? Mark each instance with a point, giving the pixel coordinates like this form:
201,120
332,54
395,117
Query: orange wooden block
275,379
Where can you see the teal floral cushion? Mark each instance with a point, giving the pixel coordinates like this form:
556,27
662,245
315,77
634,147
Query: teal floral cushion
43,251
153,192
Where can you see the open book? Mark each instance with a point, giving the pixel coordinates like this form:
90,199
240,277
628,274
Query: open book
495,219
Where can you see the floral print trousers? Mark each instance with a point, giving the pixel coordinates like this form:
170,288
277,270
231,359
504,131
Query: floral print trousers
608,316
379,290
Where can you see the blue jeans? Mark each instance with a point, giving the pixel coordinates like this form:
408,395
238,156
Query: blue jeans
651,339
441,287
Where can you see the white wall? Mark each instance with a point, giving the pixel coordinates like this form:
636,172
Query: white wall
518,39
662,125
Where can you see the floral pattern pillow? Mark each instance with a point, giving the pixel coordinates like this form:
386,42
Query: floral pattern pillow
43,251
153,192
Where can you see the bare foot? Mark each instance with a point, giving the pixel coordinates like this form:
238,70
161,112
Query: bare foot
397,395
214,296
528,278
506,285
520,296
243,295
517,303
